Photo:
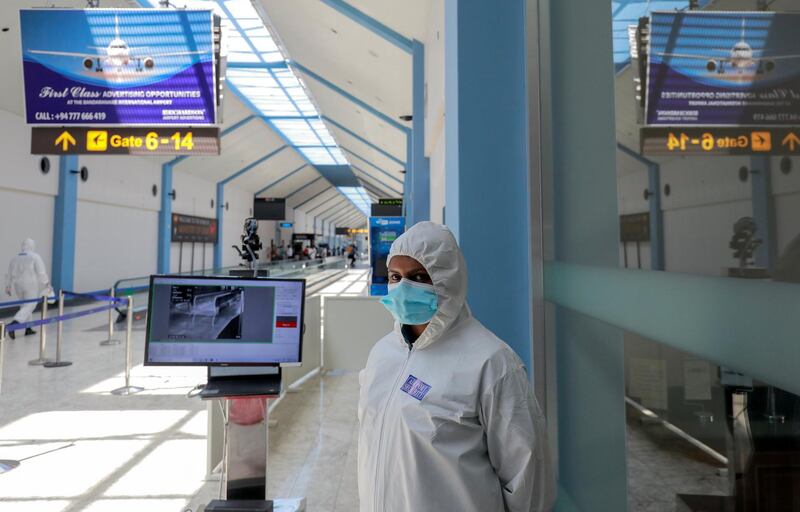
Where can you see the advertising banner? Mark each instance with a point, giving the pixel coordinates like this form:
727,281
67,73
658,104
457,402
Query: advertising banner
723,68
382,232
151,67
188,228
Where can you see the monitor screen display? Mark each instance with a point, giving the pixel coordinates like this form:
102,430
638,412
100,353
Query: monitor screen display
224,320
269,208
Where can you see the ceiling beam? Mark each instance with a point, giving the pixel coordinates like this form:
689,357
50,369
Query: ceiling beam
375,179
279,180
371,24
365,141
335,88
250,166
371,164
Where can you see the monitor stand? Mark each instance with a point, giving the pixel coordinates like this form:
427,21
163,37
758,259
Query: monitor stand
243,484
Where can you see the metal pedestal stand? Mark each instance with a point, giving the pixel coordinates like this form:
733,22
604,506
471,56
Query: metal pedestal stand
244,466
128,389
58,363
42,338
111,340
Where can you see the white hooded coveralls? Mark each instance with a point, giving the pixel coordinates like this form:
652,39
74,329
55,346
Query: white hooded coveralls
27,278
468,436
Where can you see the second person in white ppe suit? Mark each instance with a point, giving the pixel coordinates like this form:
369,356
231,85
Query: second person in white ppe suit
447,418
27,278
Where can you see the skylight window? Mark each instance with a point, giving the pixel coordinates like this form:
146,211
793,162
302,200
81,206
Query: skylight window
359,197
257,70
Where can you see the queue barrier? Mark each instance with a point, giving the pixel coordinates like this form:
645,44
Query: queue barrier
112,303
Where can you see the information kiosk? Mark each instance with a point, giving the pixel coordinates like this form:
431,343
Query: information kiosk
244,330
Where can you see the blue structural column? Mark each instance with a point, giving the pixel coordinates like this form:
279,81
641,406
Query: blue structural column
408,196
589,354
64,223
220,209
165,220
486,159
763,211
420,169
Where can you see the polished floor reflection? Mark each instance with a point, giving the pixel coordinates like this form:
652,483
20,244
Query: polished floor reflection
662,465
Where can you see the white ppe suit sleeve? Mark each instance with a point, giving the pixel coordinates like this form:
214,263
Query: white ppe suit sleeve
515,437
41,272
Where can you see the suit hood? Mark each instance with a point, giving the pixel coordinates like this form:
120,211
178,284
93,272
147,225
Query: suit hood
435,247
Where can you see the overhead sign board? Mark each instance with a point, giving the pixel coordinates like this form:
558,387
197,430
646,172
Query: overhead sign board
392,201
149,67
771,140
723,68
188,228
79,140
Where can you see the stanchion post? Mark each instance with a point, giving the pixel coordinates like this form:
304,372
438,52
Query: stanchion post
58,363
128,389
111,340
2,349
42,337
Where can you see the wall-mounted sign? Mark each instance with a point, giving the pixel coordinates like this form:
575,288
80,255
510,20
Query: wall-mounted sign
118,66
634,227
723,68
657,141
79,140
286,225
393,201
188,228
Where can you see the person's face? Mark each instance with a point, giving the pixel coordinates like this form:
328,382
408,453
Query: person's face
406,267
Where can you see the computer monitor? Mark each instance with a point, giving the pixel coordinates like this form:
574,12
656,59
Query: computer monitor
212,321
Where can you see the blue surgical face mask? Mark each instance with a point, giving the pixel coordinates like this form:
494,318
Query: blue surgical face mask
411,303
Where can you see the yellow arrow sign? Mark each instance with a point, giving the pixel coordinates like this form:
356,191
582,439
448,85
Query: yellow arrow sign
65,139
791,140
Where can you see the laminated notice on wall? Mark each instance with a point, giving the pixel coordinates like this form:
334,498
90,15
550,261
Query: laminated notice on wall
648,382
696,380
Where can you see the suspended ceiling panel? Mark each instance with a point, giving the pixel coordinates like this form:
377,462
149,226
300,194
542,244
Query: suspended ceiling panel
318,199
395,179
270,170
365,150
409,17
382,183
308,193
357,119
240,148
289,185
344,52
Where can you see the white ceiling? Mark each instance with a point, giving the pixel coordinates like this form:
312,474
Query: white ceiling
360,62
354,58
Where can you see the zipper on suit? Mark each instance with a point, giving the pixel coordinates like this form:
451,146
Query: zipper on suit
378,472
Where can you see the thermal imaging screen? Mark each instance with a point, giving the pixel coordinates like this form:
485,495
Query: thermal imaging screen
224,321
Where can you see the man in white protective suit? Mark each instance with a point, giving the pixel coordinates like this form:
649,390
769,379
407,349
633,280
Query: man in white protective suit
28,279
448,422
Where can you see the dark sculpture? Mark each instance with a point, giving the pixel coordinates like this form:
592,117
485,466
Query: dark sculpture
742,242
251,243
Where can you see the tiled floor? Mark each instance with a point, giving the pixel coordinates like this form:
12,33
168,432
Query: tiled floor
661,465
148,451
